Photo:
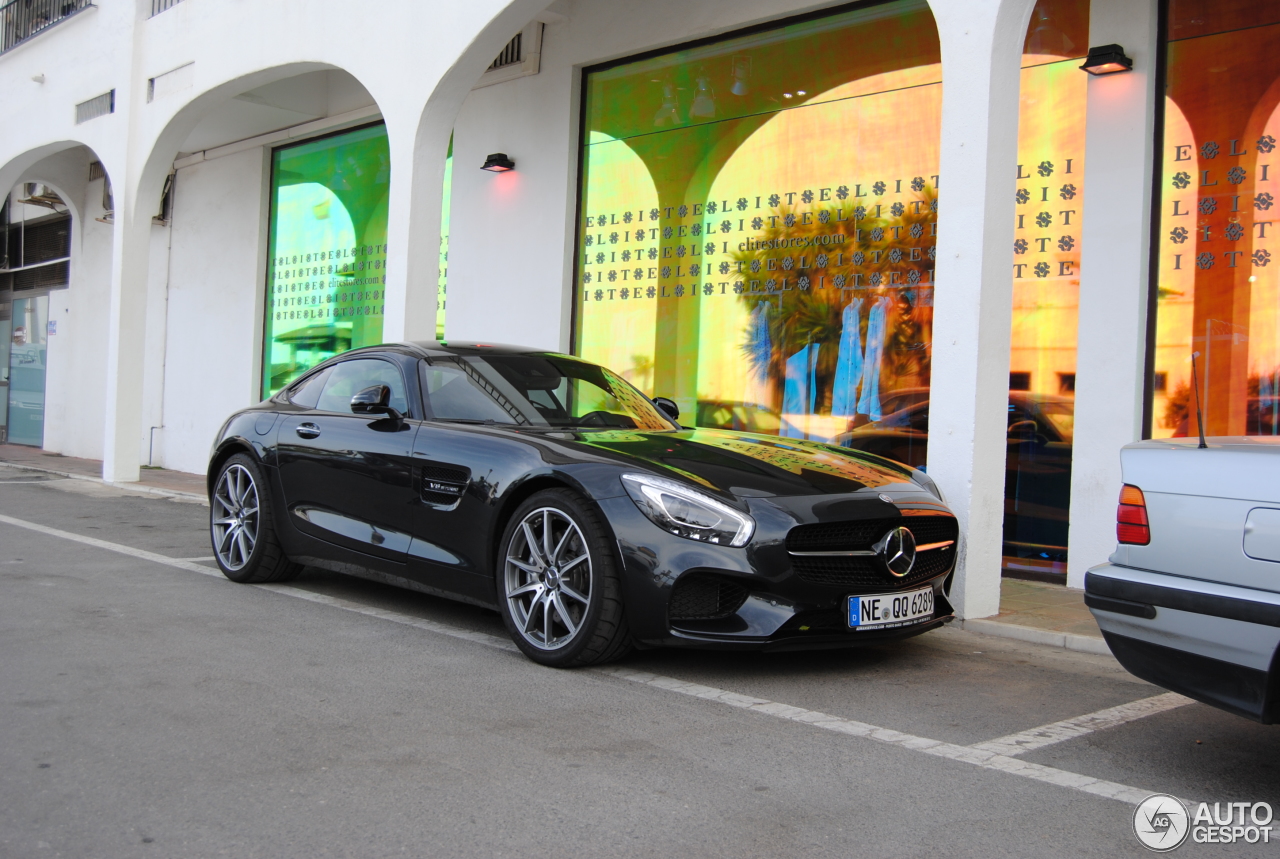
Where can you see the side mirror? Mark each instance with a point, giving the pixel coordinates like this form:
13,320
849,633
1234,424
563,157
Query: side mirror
374,400
1027,428
668,407
1024,432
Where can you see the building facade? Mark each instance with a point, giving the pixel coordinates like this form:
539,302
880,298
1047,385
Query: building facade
912,227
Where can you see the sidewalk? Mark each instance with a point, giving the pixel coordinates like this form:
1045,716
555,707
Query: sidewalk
1044,614
160,481
1029,611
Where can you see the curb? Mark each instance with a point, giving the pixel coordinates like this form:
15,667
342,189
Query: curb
1063,640
132,487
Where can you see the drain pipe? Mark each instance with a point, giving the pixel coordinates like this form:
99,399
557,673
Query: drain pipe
151,446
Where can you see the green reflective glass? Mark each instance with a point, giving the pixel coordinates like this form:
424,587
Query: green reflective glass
758,224
1218,289
327,251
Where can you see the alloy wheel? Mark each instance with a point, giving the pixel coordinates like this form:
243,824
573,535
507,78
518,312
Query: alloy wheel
235,517
548,578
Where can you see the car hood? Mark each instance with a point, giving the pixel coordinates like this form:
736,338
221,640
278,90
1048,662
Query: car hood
746,465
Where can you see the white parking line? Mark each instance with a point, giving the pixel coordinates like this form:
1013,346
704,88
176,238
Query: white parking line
981,757
180,563
963,754
1068,729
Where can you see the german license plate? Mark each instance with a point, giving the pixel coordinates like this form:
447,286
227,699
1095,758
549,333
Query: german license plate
883,611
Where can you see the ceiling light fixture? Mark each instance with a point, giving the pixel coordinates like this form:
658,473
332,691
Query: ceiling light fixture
498,162
1107,60
704,103
669,112
741,76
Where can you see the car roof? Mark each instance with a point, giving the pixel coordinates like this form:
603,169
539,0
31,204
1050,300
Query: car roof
431,348
437,348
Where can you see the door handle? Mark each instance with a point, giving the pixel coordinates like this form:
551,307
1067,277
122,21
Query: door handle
308,430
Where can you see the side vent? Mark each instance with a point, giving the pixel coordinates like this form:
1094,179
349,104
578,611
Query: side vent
443,486
95,107
510,54
521,57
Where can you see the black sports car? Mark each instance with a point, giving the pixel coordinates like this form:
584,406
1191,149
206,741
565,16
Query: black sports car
550,489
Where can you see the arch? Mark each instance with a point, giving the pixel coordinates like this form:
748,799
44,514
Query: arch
135,205
145,192
21,167
62,166
415,209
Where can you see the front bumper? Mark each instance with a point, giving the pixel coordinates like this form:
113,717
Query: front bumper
1213,642
781,611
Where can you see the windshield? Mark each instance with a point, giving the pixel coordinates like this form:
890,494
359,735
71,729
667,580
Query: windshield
535,390
1062,416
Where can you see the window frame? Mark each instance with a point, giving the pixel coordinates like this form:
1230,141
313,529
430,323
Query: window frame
413,409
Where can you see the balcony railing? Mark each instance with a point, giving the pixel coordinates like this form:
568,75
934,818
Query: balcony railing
158,6
22,19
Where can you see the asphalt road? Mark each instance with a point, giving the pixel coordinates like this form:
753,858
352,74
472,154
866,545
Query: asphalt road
149,710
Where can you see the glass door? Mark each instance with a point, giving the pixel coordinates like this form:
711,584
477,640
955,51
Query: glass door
6,333
28,346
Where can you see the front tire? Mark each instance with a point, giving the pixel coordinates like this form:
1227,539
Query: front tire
241,526
558,585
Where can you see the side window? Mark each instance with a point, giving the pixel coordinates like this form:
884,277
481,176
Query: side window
452,395
307,392
1017,415
351,377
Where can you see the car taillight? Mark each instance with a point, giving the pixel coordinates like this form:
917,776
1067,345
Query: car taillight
1131,518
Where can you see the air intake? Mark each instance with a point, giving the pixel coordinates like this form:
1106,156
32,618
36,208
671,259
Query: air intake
510,55
96,107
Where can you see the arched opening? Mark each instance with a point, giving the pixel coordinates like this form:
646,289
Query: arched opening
423,219
55,257
272,256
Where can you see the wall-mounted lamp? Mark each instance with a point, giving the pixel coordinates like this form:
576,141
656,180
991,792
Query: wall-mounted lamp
498,162
1107,60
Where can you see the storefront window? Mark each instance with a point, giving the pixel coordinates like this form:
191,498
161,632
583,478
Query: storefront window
326,277
1218,286
35,257
1046,289
758,223
442,285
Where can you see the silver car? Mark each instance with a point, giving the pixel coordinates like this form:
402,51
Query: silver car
1191,598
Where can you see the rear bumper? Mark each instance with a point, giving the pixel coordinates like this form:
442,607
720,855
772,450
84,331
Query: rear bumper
1213,642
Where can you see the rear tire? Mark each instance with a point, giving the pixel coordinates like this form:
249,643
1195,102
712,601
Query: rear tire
242,528
559,589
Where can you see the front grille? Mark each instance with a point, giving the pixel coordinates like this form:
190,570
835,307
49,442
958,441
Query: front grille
869,573
862,533
702,597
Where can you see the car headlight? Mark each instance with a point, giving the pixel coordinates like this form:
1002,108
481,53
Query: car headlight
688,513
921,479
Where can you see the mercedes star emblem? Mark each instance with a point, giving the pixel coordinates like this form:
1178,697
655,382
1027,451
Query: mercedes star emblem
898,551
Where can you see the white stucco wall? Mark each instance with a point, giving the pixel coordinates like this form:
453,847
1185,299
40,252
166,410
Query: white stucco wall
216,275
511,238
74,405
